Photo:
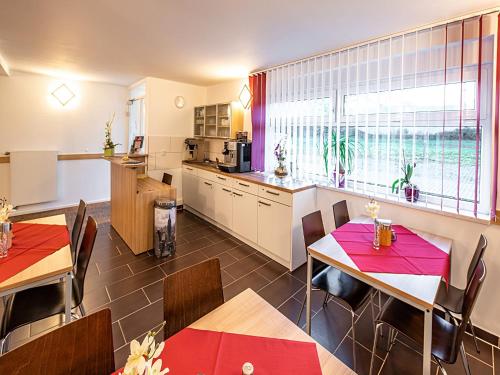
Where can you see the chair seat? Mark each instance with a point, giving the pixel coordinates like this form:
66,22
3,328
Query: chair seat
410,321
342,286
35,304
450,297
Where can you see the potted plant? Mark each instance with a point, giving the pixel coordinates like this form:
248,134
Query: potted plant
280,153
412,192
109,146
5,227
345,148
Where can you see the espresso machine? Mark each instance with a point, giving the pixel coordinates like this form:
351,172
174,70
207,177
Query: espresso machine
237,157
195,149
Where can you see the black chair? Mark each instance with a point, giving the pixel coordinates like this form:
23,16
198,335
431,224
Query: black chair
84,346
167,179
340,213
38,303
447,338
451,298
348,290
77,229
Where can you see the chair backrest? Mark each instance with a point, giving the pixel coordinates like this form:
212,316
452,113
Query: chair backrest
478,255
84,254
84,346
167,179
77,228
340,213
313,229
190,294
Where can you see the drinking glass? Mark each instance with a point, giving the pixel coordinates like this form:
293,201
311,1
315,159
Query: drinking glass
3,245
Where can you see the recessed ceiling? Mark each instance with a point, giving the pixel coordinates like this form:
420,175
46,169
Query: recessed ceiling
199,42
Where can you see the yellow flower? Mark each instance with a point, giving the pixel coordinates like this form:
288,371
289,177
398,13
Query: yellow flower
156,368
372,208
136,361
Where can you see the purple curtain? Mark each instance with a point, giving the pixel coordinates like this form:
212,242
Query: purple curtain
258,90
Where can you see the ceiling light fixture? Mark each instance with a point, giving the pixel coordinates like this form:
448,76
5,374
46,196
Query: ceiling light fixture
245,97
63,94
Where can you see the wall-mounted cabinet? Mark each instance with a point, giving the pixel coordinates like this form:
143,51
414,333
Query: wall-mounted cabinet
221,120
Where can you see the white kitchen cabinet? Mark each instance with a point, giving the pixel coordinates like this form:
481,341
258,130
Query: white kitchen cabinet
206,196
223,209
190,189
274,228
245,215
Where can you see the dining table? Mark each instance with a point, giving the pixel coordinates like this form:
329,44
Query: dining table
418,290
54,267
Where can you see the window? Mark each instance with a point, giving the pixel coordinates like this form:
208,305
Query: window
352,118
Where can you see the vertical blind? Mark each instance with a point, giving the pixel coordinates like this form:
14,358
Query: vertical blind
353,117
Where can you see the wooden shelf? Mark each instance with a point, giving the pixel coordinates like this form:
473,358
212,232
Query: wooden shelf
227,113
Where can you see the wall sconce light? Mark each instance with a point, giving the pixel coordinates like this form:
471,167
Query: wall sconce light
245,97
63,94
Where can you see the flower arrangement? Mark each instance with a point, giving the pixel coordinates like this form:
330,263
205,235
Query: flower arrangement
109,145
5,210
280,154
140,360
411,190
372,208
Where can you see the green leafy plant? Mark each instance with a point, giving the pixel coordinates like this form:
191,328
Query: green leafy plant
108,143
345,147
407,169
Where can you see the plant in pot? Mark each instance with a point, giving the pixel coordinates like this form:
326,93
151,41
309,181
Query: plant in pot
109,146
280,154
345,148
412,192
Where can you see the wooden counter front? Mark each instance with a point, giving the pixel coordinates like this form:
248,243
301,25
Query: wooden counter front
132,200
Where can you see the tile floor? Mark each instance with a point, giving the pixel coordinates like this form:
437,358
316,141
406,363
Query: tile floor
131,286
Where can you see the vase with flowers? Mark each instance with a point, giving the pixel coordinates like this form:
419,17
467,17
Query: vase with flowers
109,145
143,358
372,208
280,154
5,227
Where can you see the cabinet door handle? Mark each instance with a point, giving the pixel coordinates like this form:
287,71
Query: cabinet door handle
272,192
242,184
207,183
221,178
238,195
265,204
226,190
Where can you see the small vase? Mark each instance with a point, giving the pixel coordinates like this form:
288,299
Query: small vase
280,170
376,235
108,152
5,238
412,192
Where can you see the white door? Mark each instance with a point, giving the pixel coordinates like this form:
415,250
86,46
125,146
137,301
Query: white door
223,208
245,215
206,197
275,227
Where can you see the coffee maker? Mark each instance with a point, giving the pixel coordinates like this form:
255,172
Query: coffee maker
237,157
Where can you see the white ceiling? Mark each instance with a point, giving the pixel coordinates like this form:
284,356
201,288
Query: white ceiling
200,42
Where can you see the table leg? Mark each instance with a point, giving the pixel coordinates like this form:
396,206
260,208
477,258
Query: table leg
308,293
67,297
427,342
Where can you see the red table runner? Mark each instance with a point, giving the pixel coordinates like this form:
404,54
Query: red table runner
194,351
409,254
32,243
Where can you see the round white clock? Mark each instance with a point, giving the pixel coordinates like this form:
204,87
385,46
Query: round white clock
179,102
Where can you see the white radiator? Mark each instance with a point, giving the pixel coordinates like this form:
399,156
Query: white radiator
33,177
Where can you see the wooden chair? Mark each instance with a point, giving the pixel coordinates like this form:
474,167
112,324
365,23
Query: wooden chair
77,229
38,303
348,290
84,346
190,294
447,338
167,179
451,298
340,213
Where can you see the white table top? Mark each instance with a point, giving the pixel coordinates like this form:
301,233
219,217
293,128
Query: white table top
418,290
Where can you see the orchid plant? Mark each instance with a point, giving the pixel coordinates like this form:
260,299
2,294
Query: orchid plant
5,210
280,151
140,360
108,143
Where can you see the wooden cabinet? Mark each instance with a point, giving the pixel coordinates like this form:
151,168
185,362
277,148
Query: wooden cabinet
223,208
274,228
245,215
221,120
206,196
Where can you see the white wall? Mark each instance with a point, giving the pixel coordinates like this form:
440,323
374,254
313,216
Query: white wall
30,119
464,234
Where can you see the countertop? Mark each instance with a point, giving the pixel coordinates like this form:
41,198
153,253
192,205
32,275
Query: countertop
287,184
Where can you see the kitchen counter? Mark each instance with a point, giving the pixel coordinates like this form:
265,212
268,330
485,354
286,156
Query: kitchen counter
287,184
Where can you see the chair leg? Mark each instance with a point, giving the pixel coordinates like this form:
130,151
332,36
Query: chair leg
380,309
326,299
82,310
301,309
353,316
474,336
375,340
4,344
440,366
372,303
464,359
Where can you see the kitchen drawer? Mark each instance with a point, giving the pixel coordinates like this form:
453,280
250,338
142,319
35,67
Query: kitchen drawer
206,175
275,195
223,180
245,186
190,170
